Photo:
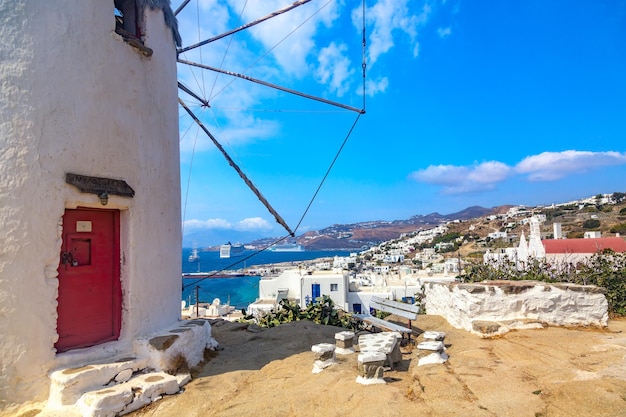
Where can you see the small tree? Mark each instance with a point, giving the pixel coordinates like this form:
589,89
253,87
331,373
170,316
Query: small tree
591,224
618,197
619,228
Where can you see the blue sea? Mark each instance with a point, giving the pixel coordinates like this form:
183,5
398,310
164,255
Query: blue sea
241,291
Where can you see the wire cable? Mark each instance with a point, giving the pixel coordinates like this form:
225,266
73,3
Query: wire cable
330,167
230,41
328,171
262,56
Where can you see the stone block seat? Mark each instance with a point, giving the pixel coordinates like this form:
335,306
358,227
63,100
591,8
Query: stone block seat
432,350
344,342
324,356
370,367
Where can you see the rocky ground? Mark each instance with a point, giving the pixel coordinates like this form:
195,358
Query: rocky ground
550,372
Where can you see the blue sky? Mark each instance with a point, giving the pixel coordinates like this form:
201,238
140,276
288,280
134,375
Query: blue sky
467,103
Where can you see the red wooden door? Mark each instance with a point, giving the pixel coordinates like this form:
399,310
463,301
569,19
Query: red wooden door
89,302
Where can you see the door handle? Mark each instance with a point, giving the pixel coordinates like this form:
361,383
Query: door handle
68,259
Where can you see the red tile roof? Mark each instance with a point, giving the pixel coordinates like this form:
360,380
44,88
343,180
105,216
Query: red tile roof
584,245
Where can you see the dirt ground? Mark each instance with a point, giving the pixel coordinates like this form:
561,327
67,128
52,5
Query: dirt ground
550,372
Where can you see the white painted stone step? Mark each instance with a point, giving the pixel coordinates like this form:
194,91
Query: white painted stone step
67,385
432,345
129,396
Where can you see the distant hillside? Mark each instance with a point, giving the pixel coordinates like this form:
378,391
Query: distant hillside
576,218
466,214
365,234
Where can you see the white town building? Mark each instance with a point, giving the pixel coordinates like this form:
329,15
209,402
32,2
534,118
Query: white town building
350,294
90,216
302,286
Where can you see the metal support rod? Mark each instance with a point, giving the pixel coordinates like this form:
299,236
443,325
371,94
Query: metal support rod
197,301
243,176
181,7
247,25
192,94
277,87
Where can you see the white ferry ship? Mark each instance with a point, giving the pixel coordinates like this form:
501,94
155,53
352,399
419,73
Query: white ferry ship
228,250
287,247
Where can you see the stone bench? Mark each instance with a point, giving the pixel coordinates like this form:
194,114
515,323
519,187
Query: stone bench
408,311
385,343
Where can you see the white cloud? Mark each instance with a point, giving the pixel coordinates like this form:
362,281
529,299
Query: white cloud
462,179
376,86
230,97
447,175
386,18
292,53
252,224
444,32
489,172
334,68
293,56
549,166
202,10
196,224
416,50
546,166
230,131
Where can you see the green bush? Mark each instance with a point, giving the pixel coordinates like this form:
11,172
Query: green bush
618,197
323,311
591,224
448,237
619,228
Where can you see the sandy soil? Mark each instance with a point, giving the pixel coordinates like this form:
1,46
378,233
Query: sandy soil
550,372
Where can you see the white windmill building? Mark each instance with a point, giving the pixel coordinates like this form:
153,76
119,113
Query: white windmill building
90,249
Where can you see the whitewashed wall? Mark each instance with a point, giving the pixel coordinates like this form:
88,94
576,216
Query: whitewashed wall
325,279
299,285
76,98
289,280
516,304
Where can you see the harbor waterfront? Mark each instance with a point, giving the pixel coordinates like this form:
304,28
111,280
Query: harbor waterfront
241,290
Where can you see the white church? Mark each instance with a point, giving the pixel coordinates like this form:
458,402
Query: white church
90,249
557,251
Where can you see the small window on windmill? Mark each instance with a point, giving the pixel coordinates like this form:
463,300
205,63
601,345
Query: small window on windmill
127,19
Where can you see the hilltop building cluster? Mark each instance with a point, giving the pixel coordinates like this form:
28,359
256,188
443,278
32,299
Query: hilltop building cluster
399,269
381,271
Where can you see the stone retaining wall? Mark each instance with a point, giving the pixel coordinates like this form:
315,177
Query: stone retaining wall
495,307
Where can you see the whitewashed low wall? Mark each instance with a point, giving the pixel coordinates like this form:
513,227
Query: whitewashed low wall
495,307
187,340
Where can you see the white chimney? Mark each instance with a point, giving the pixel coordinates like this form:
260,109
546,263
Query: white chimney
558,232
